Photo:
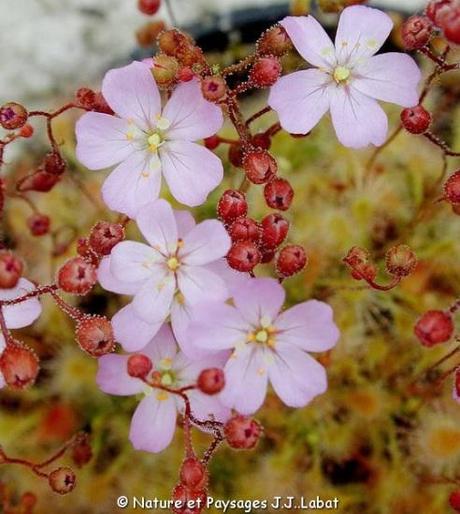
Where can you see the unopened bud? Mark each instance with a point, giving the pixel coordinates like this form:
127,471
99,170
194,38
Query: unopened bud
62,480
266,71
452,189
245,229
243,256
211,381
13,116
242,433
139,365
232,205
434,327
104,236
416,32
165,70
81,450
193,474
39,224
85,97
214,88
147,35
275,228
77,276
94,335
19,365
149,7
400,261
416,120
275,41
11,268
291,260
279,194
260,166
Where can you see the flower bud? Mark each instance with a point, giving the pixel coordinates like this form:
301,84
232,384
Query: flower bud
243,256
358,261
149,7
82,452
212,142
62,480
40,181
26,131
192,56
262,141
77,276
19,365
275,41
54,163
147,35
416,120
265,71
39,224
236,154
452,189
245,229
182,495
13,116
165,69
11,268
139,365
437,10
211,381
104,236
274,230
279,194
242,432
101,105
400,261
291,260
214,88
434,327
171,41
193,474
231,206
259,166
451,26
454,500
185,74
86,98
416,32
94,335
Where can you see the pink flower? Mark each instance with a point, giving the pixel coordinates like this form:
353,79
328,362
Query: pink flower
21,314
267,345
147,141
166,277
154,420
347,78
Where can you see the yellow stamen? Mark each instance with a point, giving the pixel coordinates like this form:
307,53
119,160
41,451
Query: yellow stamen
154,142
341,74
262,336
166,379
162,396
173,263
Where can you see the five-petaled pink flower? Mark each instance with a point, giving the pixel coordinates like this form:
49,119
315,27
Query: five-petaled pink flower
154,421
21,314
147,141
347,78
175,271
267,345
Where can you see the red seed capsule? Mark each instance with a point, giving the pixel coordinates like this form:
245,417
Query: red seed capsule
243,256
104,236
184,497
274,230
212,142
62,480
193,474
416,120
434,327
11,268
259,166
231,206
77,276
279,194
19,365
452,189
149,7
40,181
171,41
214,88
437,10
454,500
290,260
13,116
139,365
451,26
242,433
82,452
147,35
416,32
39,224
211,381
236,155
400,260
54,163
266,71
165,69
275,41
262,141
85,97
245,229
94,335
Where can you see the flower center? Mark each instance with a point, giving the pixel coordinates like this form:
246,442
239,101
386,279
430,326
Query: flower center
154,141
264,334
341,74
173,263
156,137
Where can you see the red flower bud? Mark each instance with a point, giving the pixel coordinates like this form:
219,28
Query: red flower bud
290,260
54,163
39,224
451,26
452,189
77,276
416,120
13,116
454,500
94,335
214,88
193,474
231,206
81,450
236,155
104,236
212,142
211,381
268,255
147,35
245,229
165,69
139,365
62,480
26,131
400,260
185,74
262,141
85,97
259,166
242,432
181,497
101,105
274,230
437,10
10,269
266,71
243,256
279,194
149,7
40,181
434,327
171,41
416,32
275,41
19,365
358,261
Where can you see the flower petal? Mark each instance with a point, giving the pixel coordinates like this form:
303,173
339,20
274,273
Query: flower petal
101,140
108,281
133,262
157,223
310,40
133,94
190,170
300,99
185,222
199,284
246,378
296,377
162,346
154,422
191,116
205,407
309,326
232,278
112,376
206,242
133,183
132,332
259,298
152,302
361,33
391,77
24,313
358,119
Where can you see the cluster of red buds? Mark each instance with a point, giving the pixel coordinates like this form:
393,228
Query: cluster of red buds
445,14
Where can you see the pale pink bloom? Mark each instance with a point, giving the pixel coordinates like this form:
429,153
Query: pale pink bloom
347,78
147,141
268,345
175,271
154,421
21,314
